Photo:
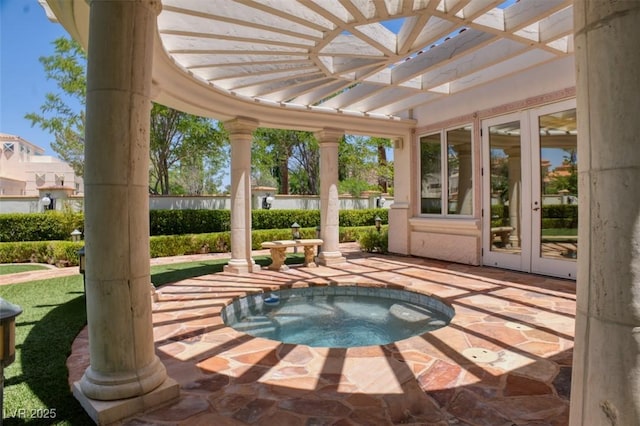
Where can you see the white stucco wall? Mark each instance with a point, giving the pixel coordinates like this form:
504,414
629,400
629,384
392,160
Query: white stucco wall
547,78
32,204
460,239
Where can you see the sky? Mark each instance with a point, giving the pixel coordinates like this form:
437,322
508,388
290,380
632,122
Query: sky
25,35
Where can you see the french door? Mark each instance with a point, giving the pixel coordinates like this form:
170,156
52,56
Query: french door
530,194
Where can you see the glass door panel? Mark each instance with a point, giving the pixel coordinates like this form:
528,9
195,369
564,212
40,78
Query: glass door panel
555,204
530,202
505,181
507,190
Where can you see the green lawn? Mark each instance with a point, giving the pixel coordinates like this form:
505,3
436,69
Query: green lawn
14,269
552,232
53,314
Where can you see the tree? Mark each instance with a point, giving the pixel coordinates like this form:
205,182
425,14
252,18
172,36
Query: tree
564,177
186,143
192,150
363,164
287,158
62,113
305,175
385,168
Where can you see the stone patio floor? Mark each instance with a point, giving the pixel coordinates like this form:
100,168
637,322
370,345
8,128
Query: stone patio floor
519,328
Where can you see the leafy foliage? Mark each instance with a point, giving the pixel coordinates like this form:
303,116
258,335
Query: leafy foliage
56,226
194,148
288,159
62,113
62,253
175,222
192,151
51,225
363,165
567,182
374,241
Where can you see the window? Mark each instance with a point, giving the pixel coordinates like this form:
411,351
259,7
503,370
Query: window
446,178
8,147
41,179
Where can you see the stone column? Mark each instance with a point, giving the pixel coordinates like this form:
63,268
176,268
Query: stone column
329,140
241,134
515,186
123,363
606,361
403,192
465,179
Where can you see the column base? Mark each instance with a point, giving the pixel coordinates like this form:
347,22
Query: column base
106,412
327,258
239,266
116,386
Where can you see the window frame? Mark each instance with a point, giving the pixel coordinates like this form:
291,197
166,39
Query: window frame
445,180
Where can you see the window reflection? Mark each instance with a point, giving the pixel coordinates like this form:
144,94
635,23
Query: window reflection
506,183
447,180
559,185
431,167
459,168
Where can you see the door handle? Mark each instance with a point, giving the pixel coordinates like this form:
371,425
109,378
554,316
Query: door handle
535,206
535,209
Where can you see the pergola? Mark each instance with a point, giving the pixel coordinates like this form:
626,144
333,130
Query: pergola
357,64
336,67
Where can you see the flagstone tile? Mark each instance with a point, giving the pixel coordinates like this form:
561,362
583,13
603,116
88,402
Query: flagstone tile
326,408
185,407
229,378
519,385
472,408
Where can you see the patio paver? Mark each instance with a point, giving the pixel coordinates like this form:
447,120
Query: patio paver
524,322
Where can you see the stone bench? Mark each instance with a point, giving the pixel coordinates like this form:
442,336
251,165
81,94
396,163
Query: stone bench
278,251
504,232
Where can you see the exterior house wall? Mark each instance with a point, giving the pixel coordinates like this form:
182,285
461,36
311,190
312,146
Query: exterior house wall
11,186
22,161
460,239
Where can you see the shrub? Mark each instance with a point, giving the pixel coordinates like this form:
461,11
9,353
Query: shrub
47,226
362,217
373,240
57,226
176,222
64,253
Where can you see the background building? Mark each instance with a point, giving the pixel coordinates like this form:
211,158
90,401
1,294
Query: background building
25,170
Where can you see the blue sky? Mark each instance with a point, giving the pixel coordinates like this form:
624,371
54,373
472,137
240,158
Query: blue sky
25,35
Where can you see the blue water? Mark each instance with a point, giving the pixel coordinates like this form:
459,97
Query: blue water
339,321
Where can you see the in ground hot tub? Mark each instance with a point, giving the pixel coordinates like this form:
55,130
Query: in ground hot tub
337,316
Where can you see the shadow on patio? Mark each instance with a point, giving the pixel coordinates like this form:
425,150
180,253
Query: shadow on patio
504,359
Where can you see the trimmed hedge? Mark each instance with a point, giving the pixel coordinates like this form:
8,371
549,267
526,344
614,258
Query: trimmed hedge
177,222
553,216
47,226
65,253
61,253
55,226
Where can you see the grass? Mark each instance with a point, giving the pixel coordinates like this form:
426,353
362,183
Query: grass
164,274
552,232
53,314
14,269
